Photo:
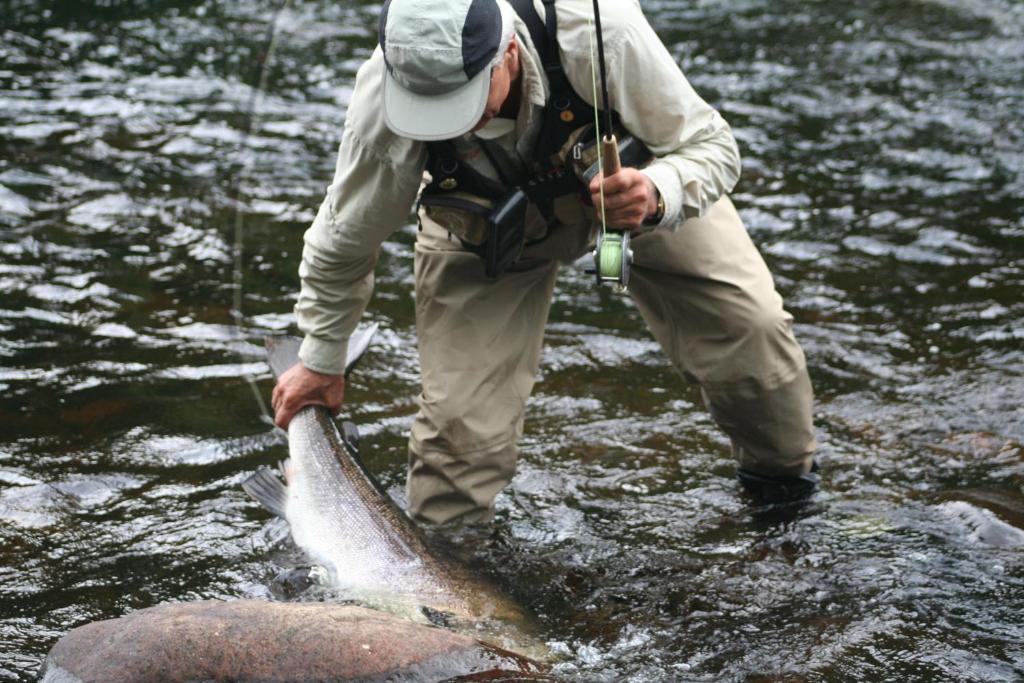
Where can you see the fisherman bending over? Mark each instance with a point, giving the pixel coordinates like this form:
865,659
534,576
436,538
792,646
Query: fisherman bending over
474,92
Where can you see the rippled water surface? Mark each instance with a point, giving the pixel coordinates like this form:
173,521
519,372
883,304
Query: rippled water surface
883,180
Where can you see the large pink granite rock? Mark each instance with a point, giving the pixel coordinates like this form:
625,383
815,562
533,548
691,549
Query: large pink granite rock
247,640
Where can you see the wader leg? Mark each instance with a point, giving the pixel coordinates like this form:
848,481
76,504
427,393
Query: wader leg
709,300
479,344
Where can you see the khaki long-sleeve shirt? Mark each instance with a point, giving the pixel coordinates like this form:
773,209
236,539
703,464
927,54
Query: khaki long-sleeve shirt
378,173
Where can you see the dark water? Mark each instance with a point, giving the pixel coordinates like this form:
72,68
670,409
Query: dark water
884,182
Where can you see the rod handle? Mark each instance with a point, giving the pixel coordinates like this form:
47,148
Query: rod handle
610,155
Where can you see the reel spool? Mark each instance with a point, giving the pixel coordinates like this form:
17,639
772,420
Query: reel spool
613,258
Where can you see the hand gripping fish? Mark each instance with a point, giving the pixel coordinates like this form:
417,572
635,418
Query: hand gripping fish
346,523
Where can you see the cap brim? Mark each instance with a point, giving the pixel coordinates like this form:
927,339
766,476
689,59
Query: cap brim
435,117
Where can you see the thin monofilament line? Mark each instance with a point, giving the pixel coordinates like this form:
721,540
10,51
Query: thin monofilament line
597,125
237,277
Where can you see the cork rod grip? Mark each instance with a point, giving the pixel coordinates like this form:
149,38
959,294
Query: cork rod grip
610,155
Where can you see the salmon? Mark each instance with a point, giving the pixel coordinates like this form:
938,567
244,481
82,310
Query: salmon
343,520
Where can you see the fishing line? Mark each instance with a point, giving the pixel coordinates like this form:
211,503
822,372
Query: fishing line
237,278
604,73
612,255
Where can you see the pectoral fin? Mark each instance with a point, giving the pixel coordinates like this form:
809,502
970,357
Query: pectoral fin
267,489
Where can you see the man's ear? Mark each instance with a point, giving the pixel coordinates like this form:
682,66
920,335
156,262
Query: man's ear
512,54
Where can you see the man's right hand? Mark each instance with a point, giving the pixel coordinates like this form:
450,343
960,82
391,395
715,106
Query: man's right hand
300,387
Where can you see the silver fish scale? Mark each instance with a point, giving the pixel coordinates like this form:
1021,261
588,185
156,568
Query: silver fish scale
338,517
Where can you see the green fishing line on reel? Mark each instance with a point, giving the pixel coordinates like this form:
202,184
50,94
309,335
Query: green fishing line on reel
612,258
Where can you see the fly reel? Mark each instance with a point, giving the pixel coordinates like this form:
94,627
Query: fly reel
613,258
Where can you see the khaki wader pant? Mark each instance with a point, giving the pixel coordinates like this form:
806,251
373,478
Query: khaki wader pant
704,291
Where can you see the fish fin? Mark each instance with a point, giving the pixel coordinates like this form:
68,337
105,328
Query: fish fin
284,467
350,437
283,352
437,617
357,345
267,489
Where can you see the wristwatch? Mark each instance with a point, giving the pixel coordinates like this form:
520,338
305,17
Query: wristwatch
659,213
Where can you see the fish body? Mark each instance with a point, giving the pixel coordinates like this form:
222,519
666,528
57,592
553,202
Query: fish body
343,520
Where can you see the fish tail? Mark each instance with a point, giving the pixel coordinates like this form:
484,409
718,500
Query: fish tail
283,352
267,489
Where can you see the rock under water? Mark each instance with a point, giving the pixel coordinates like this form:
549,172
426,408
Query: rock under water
248,640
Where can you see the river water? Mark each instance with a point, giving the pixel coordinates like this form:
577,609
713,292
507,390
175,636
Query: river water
883,180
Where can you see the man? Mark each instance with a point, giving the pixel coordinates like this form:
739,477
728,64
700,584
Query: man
469,73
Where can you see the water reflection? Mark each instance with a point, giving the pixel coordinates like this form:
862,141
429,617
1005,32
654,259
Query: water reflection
883,181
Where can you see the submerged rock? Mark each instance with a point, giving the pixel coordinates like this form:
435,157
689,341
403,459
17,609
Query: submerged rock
248,640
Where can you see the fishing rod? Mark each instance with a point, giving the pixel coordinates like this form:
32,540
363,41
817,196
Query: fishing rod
612,255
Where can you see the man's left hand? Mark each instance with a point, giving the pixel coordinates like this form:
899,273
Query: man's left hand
629,198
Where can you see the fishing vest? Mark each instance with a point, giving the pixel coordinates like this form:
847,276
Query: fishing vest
488,216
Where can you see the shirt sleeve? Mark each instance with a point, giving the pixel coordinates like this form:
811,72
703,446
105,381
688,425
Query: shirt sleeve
697,160
375,183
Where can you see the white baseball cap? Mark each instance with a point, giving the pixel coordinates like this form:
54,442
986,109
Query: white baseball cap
438,55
